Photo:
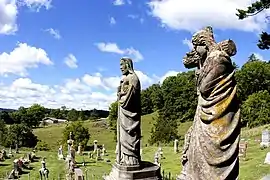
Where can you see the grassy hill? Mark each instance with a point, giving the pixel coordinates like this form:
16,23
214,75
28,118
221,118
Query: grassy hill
250,169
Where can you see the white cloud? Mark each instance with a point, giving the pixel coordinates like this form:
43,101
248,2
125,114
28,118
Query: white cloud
188,43
135,16
22,58
112,21
169,73
37,4
192,15
71,61
86,92
54,32
259,56
113,48
119,2
8,17
9,12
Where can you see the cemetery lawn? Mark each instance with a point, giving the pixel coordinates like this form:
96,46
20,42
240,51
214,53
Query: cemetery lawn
252,168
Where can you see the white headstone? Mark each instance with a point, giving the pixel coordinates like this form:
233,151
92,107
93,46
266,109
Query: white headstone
265,138
79,149
95,145
176,146
267,158
60,153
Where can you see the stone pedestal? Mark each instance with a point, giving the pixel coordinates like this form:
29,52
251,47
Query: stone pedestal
146,171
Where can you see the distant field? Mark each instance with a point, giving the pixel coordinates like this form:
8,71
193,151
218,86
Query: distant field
250,169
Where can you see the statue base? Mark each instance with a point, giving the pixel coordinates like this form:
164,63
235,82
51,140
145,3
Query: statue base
146,171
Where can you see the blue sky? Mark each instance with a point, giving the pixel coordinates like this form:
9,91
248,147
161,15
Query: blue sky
56,53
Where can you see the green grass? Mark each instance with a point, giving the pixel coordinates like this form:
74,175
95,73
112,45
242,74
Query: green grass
250,169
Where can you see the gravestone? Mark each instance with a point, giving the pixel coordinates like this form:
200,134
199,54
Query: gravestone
265,138
267,158
16,148
79,149
98,155
176,150
70,142
60,153
95,145
103,150
243,149
78,174
156,159
10,153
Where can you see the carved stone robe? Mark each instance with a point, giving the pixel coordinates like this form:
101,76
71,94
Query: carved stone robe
130,116
213,149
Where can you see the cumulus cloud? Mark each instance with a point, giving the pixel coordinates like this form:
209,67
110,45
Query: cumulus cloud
135,16
119,2
22,58
37,4
54,32
193,15
112,21
87,92
71,61
9,12
168,74
259,56
188,43
113,48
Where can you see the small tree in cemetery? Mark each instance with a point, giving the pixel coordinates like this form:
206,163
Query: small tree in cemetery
80,133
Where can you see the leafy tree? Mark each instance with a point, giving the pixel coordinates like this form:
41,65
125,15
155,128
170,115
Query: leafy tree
57,113
256,109
252,10
146,102
73,115
35,113
20,116
254,76
3,131
164,130
5,116
180,98
156,96
82,115
20,134
113,115
80,133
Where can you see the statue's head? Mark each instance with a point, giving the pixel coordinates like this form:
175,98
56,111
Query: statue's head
203,41
126,65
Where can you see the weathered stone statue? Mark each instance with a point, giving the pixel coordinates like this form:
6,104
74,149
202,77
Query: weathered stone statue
129,115
211,144
128,164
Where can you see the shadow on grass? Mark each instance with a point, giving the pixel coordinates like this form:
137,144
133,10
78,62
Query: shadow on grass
4,164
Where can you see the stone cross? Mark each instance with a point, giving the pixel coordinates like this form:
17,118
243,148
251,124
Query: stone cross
70,143
176,150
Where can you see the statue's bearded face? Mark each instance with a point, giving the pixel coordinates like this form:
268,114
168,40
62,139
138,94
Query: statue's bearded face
123,67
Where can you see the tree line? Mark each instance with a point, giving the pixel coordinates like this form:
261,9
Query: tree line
16,126
175,100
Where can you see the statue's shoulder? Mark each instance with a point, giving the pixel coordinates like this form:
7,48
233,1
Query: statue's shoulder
218,56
